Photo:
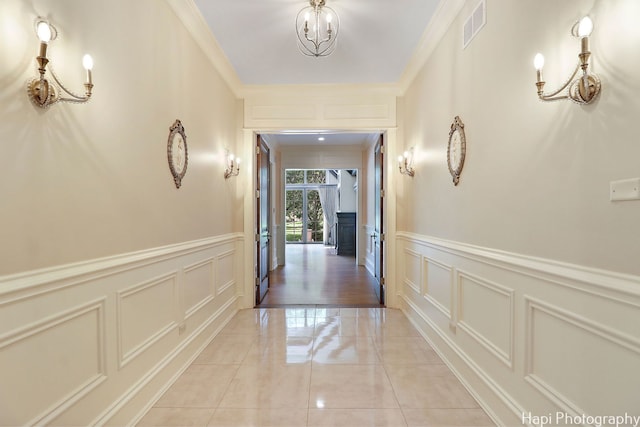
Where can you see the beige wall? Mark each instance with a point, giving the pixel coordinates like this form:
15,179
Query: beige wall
524,277
536,177
86,181
152,272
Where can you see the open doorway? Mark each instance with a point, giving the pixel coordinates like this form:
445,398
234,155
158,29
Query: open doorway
323,220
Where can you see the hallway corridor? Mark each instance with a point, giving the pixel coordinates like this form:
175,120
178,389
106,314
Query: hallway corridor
314,274
317,367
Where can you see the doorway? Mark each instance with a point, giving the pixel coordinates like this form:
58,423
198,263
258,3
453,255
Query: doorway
302,222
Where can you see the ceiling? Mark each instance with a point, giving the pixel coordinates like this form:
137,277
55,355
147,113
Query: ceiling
376,42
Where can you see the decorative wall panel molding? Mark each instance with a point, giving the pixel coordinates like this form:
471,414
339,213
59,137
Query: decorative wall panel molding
284,112
226,271
200,286
438,285
491,323
582,344
74,338
533,334
325,107
413,270
357,111
140,324
105,324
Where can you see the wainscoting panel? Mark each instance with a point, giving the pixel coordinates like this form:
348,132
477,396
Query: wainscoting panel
438,284
490,323
581,344
199,286
413,270
226,269
66,355
145,314
95,343
528,335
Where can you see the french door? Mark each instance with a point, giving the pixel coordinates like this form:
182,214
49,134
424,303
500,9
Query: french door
304,216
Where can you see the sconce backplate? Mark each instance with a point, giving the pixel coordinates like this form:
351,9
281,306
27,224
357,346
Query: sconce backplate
585,93
42,93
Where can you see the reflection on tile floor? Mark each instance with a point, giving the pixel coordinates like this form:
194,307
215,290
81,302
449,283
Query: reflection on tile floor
317,367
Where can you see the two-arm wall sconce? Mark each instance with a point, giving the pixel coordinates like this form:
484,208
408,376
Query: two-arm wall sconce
405,163
41,92
583,89
233,166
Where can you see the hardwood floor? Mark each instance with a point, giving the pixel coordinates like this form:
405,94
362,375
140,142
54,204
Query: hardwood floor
315,275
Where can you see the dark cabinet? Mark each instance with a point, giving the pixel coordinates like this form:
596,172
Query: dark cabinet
346,233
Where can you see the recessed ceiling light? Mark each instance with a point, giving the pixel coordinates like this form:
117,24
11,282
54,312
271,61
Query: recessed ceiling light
321,138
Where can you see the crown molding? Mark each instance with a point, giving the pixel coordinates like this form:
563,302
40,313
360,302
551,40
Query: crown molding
189,14
439,24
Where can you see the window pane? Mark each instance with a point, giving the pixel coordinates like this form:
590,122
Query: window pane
315,217
293,215
294,176
316,176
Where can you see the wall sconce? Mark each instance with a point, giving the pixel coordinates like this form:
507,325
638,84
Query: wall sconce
583,89
233,166
405,163
41,92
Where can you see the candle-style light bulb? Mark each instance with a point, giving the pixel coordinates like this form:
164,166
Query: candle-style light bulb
584,31
585,27
400,159
538,61
44,32
87,63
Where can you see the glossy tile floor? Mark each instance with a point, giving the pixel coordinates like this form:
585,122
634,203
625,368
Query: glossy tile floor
317,367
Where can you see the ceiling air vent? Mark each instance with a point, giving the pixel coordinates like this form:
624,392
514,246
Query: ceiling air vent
474,23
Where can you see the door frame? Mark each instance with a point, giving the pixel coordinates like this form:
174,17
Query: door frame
393,287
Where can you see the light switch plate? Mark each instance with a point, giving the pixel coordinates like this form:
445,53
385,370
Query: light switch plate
625,189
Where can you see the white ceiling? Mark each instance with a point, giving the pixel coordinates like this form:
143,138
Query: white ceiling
376,41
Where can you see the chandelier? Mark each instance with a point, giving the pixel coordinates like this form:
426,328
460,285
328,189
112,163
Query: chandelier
317,27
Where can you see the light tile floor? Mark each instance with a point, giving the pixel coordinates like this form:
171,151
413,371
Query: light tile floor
317,367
